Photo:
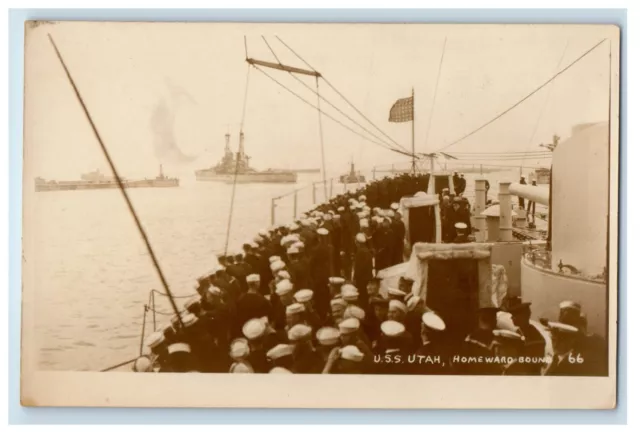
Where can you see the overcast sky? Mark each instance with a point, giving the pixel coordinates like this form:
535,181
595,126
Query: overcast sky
147,83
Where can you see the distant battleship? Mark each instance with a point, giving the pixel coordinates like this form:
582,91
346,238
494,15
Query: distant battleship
97,180
236,169
352,176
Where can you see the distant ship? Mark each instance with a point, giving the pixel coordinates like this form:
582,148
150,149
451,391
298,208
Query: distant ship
236,169
352,176
97,180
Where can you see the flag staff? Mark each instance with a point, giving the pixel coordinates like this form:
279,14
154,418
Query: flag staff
413,133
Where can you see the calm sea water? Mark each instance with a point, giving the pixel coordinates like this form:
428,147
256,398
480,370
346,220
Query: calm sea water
93,274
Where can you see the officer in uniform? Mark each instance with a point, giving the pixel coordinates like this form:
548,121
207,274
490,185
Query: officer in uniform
534,342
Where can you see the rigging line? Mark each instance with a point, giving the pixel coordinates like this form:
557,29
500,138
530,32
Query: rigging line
317,92
235,174
546,100
345,99
435,93
525,98
501,153
143,234
385,146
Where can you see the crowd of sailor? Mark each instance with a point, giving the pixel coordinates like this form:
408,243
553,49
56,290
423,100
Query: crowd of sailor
304,298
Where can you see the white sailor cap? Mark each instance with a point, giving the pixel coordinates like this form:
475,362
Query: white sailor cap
322,231
336,217
294,309
239,349
359,205
253,278
391,328
179,347
564,305
257,238
348,326
349,292
336,280
274,259
283,287
395,206
351,353
279,351
433,321
189,319
327,217
293,250
241,367
142,364
394,291
299,332
283,275
303,295
354,311
254,328
298,244
460,226
155,339
341,209
264,233
508,335
254,245
279,370
305,222
364,223
328,336
360,237
561,327
395,305
362,197
293,227
276,266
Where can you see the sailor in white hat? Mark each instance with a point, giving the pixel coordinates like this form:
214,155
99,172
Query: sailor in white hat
281,356
338,306
239,349
349,293
349,331
350,360
179,359
284,290
433,338
306,358
335,284
397,311
279,370
294,315
143,364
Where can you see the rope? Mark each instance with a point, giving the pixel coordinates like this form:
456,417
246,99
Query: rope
144,325
235,174
346,100
525,98
317,92
546,100
176,297
132,211
113,367
385,146
435,93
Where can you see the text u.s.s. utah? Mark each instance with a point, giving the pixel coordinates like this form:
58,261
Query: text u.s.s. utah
410,359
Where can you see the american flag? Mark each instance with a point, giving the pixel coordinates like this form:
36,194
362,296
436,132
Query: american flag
402,110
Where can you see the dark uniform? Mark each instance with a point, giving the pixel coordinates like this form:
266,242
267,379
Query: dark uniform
363,271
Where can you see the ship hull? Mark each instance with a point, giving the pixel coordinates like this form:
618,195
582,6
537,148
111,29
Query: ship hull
284,177
77,186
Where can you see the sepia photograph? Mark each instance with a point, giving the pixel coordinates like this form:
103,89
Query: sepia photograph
409,206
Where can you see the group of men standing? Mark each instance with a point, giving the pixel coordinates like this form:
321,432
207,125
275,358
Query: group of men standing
303,298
